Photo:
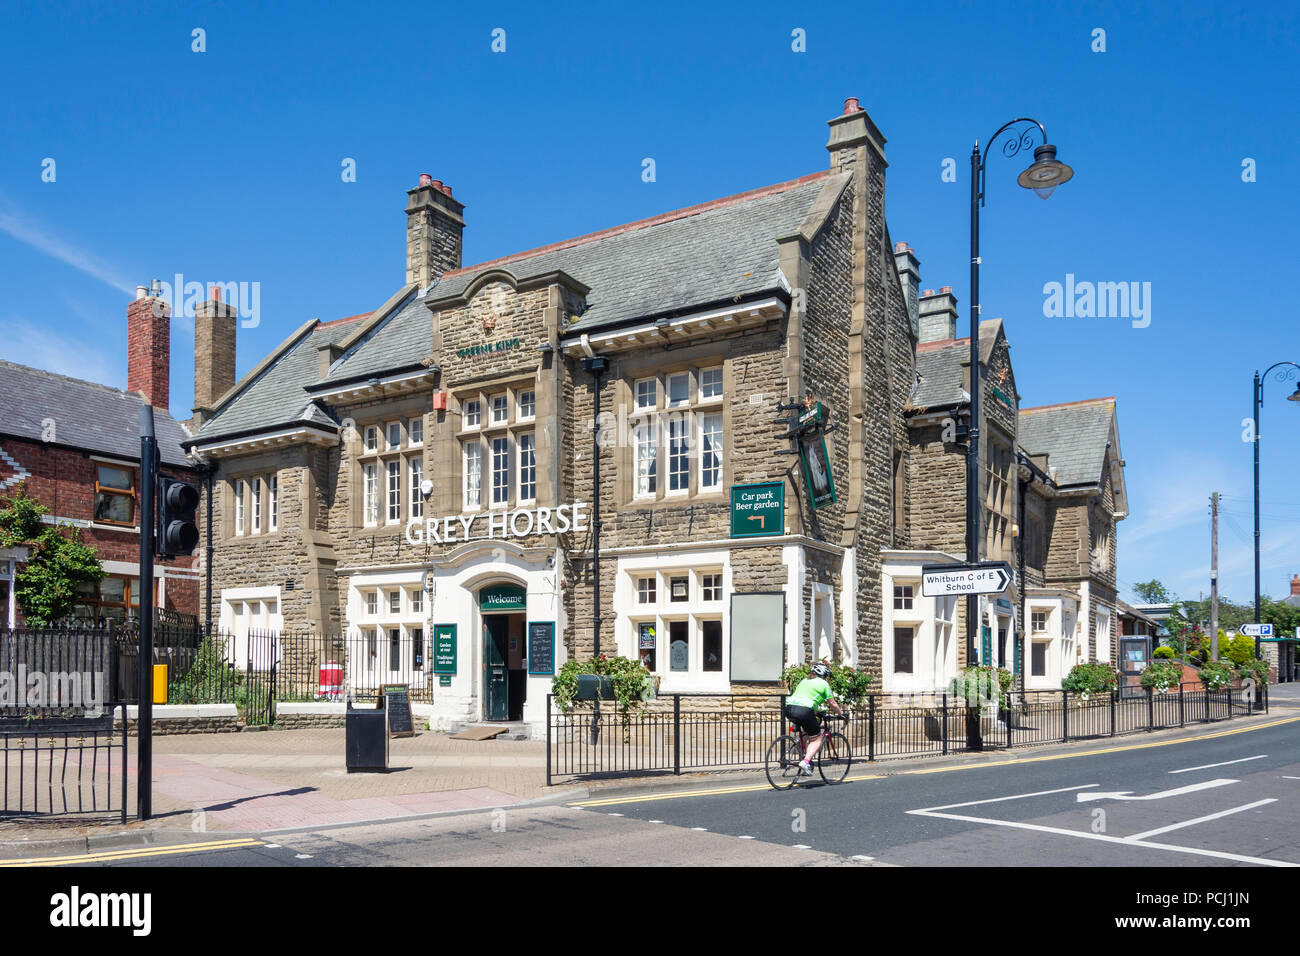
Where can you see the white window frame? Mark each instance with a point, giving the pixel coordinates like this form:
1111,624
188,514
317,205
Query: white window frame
526,445
526,405
472,477
414,478
678,448
393,492
672,378
500,452
255,500
415,431
371,438
504,401
273,501
389,429
714,389
239,507
717,452
632,574
473,418
370,494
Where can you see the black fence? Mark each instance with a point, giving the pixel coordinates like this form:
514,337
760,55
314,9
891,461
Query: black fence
59,752
694,732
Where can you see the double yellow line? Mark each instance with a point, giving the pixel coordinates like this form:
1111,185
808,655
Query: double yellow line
973,765
138,853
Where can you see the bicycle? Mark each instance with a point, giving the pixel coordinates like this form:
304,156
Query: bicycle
785,752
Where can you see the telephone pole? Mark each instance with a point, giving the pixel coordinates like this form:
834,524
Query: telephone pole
1214,576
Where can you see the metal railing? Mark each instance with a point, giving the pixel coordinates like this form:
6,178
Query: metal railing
691,732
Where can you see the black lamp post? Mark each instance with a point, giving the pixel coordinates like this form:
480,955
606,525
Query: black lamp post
1043,176
1288,371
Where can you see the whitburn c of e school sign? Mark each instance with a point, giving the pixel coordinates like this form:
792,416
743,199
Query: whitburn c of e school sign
498,525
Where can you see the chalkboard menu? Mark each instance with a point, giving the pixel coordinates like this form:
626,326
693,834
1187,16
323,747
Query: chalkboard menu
541,648
398,699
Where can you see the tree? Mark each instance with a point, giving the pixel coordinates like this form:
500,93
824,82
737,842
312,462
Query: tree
59,565
1153,592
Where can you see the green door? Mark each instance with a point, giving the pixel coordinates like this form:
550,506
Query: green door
496,702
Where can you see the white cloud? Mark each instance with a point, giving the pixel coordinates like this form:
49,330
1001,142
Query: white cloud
43,240
77,356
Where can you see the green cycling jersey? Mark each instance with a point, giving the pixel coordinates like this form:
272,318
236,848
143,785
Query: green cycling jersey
812,692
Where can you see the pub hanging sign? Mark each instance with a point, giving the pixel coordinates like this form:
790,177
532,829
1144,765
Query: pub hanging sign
806,433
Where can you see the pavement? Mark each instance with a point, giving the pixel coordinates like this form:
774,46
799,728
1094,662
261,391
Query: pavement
217,786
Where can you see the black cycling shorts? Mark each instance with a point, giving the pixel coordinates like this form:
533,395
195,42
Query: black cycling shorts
805,718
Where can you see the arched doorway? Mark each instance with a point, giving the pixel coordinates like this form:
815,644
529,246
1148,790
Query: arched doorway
502,608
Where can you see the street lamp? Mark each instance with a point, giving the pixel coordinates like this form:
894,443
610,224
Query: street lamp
1287,371
1042,176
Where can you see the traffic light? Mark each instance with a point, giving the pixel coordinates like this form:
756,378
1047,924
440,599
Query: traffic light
178,530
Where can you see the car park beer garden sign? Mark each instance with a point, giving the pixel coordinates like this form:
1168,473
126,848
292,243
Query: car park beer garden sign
757,510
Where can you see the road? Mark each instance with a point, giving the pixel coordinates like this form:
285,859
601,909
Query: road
1229,797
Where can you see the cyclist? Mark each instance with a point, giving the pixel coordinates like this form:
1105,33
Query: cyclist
801,708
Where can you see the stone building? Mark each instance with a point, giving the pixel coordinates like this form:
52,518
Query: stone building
423,478
1052,489
74,446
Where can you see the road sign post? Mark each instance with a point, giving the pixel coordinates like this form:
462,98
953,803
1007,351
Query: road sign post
984,577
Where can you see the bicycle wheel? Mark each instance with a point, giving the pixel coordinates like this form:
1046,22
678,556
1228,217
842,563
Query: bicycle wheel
783,762
834,759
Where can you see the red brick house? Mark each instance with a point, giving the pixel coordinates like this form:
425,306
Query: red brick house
74,446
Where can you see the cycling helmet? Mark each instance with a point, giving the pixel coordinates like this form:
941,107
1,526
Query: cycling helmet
821,670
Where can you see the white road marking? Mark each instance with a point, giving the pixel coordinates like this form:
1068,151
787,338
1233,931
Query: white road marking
700,829
1189,823
1016,796
272,846
616,814
654,821
1224,764
1291,778
303,856
1176,792
802,846
864,859
746,837
1037,828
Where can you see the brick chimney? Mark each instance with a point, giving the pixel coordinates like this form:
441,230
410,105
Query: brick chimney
434,226
148,346
214,353
909,275
938,315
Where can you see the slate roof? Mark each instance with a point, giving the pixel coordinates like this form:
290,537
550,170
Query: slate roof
402,339
277,396
939,364
702,254
1073,436
940,370
92,417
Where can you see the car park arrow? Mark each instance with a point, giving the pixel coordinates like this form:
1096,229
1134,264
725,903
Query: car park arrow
1178,791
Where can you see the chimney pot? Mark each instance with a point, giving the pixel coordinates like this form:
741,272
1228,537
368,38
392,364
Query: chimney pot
215,293
141,291
901,247
435,183
1295,584
446,189
426,179
945,289
851,105
927,292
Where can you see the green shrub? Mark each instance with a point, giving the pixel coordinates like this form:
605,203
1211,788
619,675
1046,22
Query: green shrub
1160,676
849,686
981,681
1163,653
1216,675
1256,669
632,681
1240,650
1092,677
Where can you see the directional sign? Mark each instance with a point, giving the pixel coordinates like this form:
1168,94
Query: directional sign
1257,630
986,577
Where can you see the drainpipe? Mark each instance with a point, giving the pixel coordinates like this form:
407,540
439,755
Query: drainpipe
209,550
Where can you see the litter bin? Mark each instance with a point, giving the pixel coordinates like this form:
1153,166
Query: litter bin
366,737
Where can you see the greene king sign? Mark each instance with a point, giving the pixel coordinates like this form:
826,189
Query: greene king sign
497,525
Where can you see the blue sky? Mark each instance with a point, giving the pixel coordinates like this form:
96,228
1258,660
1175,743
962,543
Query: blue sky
225,166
